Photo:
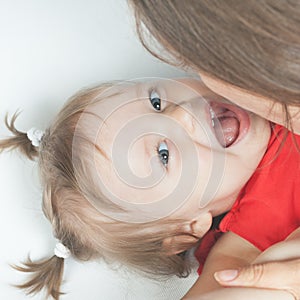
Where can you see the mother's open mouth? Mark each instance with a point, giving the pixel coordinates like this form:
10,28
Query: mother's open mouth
229,123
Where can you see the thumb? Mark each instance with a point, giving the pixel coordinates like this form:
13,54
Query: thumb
284,275
253,275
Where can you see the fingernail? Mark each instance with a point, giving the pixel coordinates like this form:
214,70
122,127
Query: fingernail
226,275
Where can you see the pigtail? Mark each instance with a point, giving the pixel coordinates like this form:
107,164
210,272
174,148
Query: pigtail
19,140
46,274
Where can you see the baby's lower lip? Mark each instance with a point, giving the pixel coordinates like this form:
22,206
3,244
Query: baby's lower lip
228,122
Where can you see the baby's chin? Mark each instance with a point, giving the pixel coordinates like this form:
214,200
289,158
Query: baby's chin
255,142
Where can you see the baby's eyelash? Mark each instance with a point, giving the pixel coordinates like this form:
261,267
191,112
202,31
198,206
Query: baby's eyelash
155,99
163,153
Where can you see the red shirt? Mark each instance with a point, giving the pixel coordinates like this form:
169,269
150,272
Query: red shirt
267,209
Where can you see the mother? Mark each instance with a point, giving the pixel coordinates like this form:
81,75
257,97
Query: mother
249,52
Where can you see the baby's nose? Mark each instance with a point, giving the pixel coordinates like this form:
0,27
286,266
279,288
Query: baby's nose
183,114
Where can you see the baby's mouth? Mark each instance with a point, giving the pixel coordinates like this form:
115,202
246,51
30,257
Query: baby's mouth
229,123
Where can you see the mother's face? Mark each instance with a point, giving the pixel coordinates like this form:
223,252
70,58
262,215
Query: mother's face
262,106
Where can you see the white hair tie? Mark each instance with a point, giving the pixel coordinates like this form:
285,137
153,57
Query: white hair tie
61,251
35,136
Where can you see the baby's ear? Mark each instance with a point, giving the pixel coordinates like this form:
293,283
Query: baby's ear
178,243
201,224
190,234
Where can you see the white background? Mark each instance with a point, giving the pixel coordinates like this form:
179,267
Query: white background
48,50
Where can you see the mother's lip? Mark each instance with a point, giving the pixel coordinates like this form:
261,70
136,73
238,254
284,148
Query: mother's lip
240,114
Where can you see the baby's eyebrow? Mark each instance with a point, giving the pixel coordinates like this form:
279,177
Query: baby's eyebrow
90,135
139,90
100,149
102,152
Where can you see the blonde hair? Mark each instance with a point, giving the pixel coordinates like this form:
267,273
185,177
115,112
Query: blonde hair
254,45
88,233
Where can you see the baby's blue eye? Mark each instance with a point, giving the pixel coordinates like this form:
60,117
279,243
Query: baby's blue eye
155,100
163,153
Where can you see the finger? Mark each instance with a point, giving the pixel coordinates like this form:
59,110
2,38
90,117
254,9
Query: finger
274,275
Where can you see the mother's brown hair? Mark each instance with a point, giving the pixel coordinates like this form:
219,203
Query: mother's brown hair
254,45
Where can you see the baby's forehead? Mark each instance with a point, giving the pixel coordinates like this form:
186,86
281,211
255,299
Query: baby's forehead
111,98
95,121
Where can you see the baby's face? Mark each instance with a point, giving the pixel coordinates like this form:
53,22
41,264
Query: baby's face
175,149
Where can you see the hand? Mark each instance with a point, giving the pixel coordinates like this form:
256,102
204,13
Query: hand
276,268
283,275
243,293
